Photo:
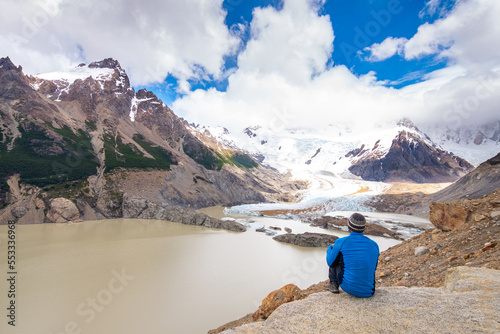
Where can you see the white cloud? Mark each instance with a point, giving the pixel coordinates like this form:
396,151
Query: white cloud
430,8
150,38
388,48
468,35
468,90
283,79
294,43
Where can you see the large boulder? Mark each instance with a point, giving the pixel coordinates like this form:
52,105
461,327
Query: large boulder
62,210
448,216
286,294
307,239
19,211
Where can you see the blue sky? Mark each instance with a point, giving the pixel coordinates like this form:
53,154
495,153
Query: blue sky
310,63
356,23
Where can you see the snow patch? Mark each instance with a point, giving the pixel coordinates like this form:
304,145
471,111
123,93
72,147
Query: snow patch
135,105
84,72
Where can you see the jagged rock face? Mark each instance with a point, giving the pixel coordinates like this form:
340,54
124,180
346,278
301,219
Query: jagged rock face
409,158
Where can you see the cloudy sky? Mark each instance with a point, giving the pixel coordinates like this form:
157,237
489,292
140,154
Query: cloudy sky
297,62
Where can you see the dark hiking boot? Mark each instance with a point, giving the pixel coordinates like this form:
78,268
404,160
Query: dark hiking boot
332,288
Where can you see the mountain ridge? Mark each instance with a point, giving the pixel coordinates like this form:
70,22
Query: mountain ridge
83,133
409,154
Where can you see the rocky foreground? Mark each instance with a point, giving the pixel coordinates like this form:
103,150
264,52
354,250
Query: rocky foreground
447,278
469,302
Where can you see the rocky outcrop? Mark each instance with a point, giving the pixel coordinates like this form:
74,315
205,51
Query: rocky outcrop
480,182
275,299
62,210
307,239
410,158
468,302
448,216
136,207
472,241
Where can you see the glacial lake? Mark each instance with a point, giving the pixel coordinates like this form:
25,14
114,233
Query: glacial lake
129,276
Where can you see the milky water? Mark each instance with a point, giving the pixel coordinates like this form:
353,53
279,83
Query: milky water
144,276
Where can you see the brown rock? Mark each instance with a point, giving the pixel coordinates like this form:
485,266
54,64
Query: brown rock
256,315
400,283
488,245
276,298
478,217
452,258
385,273
447,216
468,255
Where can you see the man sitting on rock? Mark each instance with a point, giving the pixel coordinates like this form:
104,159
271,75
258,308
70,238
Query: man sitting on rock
353,260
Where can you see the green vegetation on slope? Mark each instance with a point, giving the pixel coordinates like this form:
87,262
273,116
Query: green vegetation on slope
239,159
119,154
40,160
243,160
201,154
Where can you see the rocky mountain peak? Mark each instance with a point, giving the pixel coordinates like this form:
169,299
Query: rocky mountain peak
411,157
7,65
106,63
406,122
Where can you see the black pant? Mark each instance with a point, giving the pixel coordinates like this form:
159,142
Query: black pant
336,272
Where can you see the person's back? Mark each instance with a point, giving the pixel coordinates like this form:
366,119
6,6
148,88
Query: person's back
353,261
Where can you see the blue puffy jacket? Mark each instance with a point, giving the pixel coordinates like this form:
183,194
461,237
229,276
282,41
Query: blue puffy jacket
359,255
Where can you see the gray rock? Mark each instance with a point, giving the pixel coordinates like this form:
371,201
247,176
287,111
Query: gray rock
307,239
469,303
288,230
494,214
421,250
134,207
19,211
62,210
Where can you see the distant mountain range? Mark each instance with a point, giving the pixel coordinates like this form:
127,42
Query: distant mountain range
87,135
398,151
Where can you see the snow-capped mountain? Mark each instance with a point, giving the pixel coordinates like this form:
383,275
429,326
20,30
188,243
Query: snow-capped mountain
475,144
409,158
79,129
397,151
